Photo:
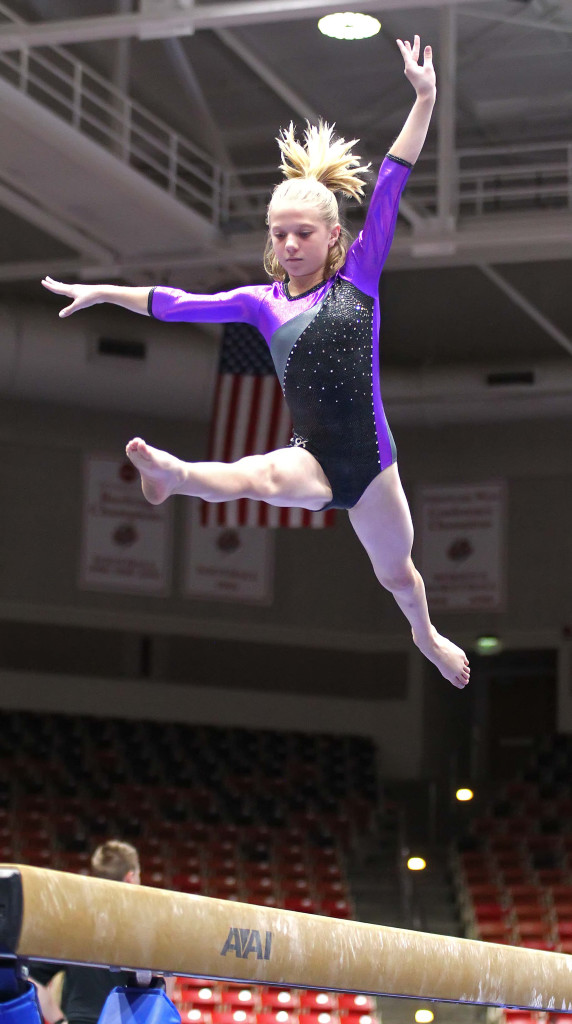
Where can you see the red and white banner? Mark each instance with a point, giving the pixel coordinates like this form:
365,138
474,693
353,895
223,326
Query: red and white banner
126,542
462,540
226,563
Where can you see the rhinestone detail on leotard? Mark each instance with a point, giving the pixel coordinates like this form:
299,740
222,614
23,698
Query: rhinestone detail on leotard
328,379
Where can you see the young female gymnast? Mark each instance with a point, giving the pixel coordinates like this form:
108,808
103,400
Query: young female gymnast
320,319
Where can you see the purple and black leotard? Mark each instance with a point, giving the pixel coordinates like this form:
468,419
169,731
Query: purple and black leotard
325,347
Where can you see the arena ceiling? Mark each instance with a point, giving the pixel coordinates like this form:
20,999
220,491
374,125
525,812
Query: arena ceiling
490,201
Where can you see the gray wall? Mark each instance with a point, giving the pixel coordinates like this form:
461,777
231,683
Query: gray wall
326,596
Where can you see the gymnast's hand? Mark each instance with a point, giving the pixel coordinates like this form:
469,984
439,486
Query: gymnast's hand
421,76
83,295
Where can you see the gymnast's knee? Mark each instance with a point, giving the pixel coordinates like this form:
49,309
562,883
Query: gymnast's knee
398,578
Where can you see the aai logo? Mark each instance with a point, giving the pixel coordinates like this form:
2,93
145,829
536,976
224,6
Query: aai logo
244,941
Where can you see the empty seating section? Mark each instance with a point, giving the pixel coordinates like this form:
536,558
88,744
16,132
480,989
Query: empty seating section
258,816
513,870
223,1003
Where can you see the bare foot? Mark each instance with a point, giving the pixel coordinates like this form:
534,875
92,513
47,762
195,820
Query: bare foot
161,473
449,659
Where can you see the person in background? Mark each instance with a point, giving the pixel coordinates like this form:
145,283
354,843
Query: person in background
85,989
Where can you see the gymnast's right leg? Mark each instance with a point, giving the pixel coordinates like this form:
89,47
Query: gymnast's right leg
288,477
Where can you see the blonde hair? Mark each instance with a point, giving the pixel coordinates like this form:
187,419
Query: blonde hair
314,171
114,860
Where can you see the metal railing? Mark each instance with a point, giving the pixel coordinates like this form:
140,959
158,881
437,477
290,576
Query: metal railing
96,108
486,181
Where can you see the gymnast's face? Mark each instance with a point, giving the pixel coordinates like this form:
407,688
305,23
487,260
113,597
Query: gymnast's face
300,239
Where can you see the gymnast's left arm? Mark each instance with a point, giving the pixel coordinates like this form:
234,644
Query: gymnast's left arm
409,142
368,253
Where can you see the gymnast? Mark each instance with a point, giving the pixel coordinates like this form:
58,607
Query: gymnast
320,318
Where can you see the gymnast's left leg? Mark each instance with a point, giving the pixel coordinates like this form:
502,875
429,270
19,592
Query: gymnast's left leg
382,522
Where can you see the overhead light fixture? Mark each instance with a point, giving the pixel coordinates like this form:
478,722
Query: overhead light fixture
349,25
424,1016
488,644
416,864
464,794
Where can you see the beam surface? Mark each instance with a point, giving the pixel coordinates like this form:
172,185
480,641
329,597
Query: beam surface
56,916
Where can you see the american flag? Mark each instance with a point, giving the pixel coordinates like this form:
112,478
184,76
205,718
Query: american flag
250,417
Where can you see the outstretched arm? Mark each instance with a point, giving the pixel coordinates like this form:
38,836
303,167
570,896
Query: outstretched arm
409,142
84,295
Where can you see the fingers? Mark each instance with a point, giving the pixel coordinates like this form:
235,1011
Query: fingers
68,310
411,51
69,290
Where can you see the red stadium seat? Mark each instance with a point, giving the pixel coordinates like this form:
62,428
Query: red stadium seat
301,904
263,900
295,886
280,999
223,884
278,1017
190,983
356,1003
494,931
319,1017
261,884
193,1014
208,996
489,911
529,929
319,1001
239,998
563,911
336,908
489,893
188,882
237,1016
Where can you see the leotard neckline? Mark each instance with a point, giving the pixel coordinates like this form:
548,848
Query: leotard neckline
292,298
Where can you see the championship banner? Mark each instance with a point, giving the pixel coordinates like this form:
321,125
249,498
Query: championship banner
462,539
227,563
126,542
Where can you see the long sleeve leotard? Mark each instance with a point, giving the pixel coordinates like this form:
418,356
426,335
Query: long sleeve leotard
325,347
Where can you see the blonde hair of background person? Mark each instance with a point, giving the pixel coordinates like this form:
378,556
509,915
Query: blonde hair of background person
117,861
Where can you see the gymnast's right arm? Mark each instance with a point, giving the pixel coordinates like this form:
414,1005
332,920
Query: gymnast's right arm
241,305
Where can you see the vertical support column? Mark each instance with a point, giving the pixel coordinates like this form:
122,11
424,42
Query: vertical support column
446,86
120,75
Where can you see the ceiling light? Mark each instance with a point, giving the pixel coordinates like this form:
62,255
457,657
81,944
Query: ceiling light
488,644
424,1016
416,864
349,25
464,793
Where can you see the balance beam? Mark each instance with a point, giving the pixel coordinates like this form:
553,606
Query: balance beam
68,918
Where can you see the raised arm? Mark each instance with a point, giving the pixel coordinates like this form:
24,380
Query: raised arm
409,142
368,253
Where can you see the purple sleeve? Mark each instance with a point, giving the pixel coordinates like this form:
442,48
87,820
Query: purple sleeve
241,305
368,253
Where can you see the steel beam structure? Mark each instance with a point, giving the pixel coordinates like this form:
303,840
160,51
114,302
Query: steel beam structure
229,14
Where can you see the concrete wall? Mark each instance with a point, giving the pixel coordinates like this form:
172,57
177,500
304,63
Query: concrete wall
326,597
